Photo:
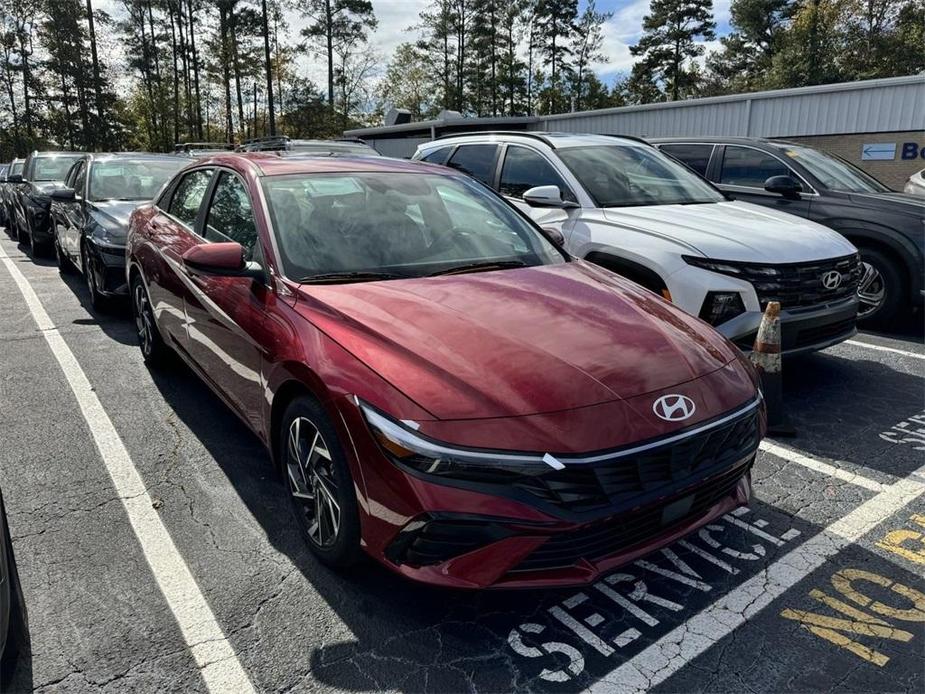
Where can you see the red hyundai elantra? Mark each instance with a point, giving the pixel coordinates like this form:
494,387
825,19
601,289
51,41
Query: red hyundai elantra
442,386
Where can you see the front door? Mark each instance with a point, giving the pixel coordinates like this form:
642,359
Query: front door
743,171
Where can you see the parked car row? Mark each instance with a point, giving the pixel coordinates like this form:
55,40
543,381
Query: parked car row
484,368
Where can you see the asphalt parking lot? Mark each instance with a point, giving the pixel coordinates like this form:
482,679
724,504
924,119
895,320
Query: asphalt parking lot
817,586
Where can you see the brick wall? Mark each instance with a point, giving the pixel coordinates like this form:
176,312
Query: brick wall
891,173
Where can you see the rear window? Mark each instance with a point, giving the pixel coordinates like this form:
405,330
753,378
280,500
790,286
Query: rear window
696,157
476,160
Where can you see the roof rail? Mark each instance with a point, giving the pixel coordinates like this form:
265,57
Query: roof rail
641,140
358,140
188,146
266,138
521,133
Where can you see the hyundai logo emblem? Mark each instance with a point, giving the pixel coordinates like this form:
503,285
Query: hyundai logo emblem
831,279
674,407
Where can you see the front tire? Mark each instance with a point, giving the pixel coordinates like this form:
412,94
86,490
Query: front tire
880,291
152,345
319,483
65,267
97,300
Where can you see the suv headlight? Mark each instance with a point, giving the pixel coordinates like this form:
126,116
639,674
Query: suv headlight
404,446
719,307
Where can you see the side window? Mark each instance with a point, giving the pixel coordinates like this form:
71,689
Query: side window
744,166
438,156
230,216
524,169
184,204
476,160
696,157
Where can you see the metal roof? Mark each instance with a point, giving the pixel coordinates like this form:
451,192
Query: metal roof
880,105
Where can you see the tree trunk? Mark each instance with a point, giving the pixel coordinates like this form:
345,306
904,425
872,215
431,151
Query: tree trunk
176,75
102,123
226,76
329,37
269,71
192,38
236,65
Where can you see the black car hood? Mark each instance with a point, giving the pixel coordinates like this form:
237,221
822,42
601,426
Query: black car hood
111,218
891,202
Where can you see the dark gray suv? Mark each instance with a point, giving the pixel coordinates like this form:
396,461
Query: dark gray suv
887,227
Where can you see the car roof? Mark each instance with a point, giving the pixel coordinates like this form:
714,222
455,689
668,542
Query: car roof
556,140
131,156
713,140
283,163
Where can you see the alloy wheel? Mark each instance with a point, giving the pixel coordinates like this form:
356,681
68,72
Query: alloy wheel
312,481
871,290
144,320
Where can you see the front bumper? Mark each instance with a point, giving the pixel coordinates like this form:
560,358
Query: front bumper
107,262
582,521
802,330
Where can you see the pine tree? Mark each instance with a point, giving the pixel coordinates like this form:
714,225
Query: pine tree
669,41
589,37
555,21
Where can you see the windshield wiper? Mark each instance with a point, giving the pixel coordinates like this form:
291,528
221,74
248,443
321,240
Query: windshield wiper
352,276
478,267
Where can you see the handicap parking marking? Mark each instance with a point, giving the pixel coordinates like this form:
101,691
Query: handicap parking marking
219,666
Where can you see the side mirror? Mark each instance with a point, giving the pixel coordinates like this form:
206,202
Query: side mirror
221,260
787,186
64,194
546,196
14,178
554,235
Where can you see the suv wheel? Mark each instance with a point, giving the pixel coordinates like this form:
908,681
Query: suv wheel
319,482
880,290
97,300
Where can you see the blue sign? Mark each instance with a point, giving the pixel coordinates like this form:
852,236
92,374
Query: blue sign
882,151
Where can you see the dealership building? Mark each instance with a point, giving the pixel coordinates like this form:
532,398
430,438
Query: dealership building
879,125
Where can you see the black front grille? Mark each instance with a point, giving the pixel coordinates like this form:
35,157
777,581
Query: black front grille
801,284
625,531
817,334
631,479
434,539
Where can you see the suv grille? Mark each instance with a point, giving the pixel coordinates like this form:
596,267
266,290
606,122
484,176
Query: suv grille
631,479
627,530
797,285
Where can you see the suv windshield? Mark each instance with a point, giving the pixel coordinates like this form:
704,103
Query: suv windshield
632,175
834,173
53,167
367,226
131,180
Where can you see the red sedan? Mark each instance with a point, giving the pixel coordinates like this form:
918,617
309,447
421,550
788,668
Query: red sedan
441,385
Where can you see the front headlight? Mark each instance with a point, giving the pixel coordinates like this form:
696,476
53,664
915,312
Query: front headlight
719,307
404,446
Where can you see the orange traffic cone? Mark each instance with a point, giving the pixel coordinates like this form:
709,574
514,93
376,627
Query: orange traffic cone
766,358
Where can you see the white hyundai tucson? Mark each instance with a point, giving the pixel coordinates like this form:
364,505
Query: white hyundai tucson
620,203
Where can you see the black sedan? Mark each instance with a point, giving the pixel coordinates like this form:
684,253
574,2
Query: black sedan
885,226
42,173
12,611
90,214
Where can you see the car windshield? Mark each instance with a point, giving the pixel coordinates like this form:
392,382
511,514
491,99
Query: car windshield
53,167
834,173
17,168
138,179
632,175
366,226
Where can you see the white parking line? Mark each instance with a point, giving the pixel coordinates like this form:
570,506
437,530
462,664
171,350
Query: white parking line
881,348
218,664
819,466
678,648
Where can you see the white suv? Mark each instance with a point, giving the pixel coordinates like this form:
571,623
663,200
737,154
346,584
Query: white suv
620,203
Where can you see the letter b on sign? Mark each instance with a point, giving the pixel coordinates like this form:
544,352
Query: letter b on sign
910,150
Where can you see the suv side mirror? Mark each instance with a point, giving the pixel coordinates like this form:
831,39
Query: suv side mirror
14,178
64,194
787,186
221,260
546,196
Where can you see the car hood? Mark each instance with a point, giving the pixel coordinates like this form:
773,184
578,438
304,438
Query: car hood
112,217
516,342
734,230
891,202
